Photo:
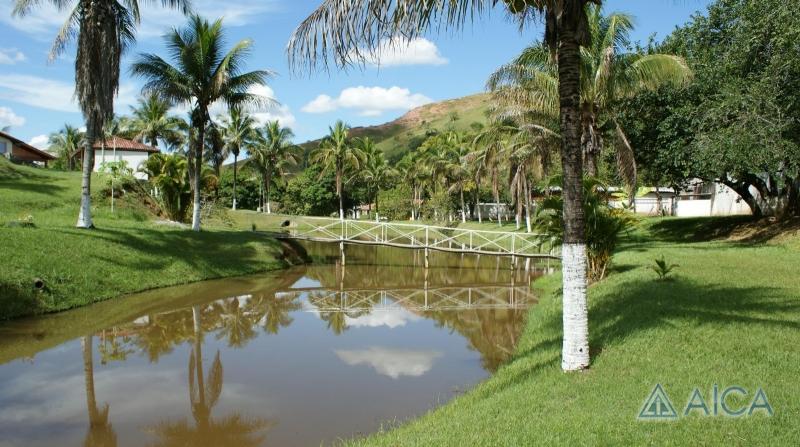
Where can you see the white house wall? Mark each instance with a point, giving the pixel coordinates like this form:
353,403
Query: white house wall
133,158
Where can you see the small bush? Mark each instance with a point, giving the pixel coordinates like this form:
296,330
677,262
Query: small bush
662,269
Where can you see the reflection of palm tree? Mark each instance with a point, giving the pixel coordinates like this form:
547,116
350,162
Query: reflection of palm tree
274,311
100,432
238,325
204,393
336,309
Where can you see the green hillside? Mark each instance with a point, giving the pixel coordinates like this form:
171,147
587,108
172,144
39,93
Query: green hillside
397,137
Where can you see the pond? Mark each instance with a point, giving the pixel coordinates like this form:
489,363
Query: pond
303,356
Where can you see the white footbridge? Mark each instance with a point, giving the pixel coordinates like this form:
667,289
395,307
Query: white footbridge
427,237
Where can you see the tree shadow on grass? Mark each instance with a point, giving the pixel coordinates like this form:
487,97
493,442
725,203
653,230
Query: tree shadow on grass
157,249
745,230
27,185
645,305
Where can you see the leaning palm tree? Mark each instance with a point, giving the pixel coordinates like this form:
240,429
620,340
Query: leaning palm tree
152,122
352,31
338,154
238,132
104,30
272,152
67,144
202,75
529,86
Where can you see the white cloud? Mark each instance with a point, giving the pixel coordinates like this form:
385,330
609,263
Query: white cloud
52,94
44,20
40,141
10,56
9,118
391,362
397,52
388,316
369,101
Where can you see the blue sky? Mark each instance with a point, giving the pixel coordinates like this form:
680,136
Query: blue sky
36,96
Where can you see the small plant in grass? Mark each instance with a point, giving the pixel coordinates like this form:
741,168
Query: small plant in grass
22,222
662,268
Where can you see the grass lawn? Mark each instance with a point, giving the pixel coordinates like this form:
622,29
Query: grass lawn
127,252
729,316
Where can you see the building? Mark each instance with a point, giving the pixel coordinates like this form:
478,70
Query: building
19,151
698,199
132,153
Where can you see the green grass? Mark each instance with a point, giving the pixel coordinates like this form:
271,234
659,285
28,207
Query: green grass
126,253
730,315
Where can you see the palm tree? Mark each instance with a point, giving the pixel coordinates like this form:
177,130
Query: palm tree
376,172
530,84
351,31
238,132
336,153
202,75
488,157
104,30
151,122
272,152
67,143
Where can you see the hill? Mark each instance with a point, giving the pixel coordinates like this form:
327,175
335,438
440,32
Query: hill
397,137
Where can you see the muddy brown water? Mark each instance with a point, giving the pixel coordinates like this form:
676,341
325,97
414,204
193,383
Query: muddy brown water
305,356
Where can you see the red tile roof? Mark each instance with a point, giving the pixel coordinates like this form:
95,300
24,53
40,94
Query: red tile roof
25,146
126,145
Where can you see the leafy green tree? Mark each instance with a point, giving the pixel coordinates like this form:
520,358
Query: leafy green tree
310,193
337,154
376,172
103,30
202,74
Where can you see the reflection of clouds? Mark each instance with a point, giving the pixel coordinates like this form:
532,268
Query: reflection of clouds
390,317
391,362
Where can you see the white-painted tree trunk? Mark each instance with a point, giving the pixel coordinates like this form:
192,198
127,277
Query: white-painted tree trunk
85,213
196,213
575,350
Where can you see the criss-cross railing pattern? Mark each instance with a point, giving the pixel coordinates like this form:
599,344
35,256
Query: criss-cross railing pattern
433,299
422,236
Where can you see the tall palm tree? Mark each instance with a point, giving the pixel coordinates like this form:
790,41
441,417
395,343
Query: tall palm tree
202,74
338,154
104,31
375,172
350,31
272,152
238,132
490,145
608,74
151,122
67,144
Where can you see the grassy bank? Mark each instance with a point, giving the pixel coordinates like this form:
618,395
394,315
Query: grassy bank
128,252
729,316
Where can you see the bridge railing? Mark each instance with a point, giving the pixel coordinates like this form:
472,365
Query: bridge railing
423,236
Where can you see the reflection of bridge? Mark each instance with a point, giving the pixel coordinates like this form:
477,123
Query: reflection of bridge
425,237
416,299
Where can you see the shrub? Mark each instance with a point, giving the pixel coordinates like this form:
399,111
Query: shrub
662,269
604,224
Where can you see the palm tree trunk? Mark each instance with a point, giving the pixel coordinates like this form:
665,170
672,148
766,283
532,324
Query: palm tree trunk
527,207
478,199
235,160
85,213
339,193
463,207
267,181
575,348
496,191
198,169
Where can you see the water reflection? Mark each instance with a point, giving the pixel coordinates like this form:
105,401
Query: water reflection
268,359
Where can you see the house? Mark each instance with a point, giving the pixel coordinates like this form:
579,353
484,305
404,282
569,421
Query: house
21,152
698,199
131,152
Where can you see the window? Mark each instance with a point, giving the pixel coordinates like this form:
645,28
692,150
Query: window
3,147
